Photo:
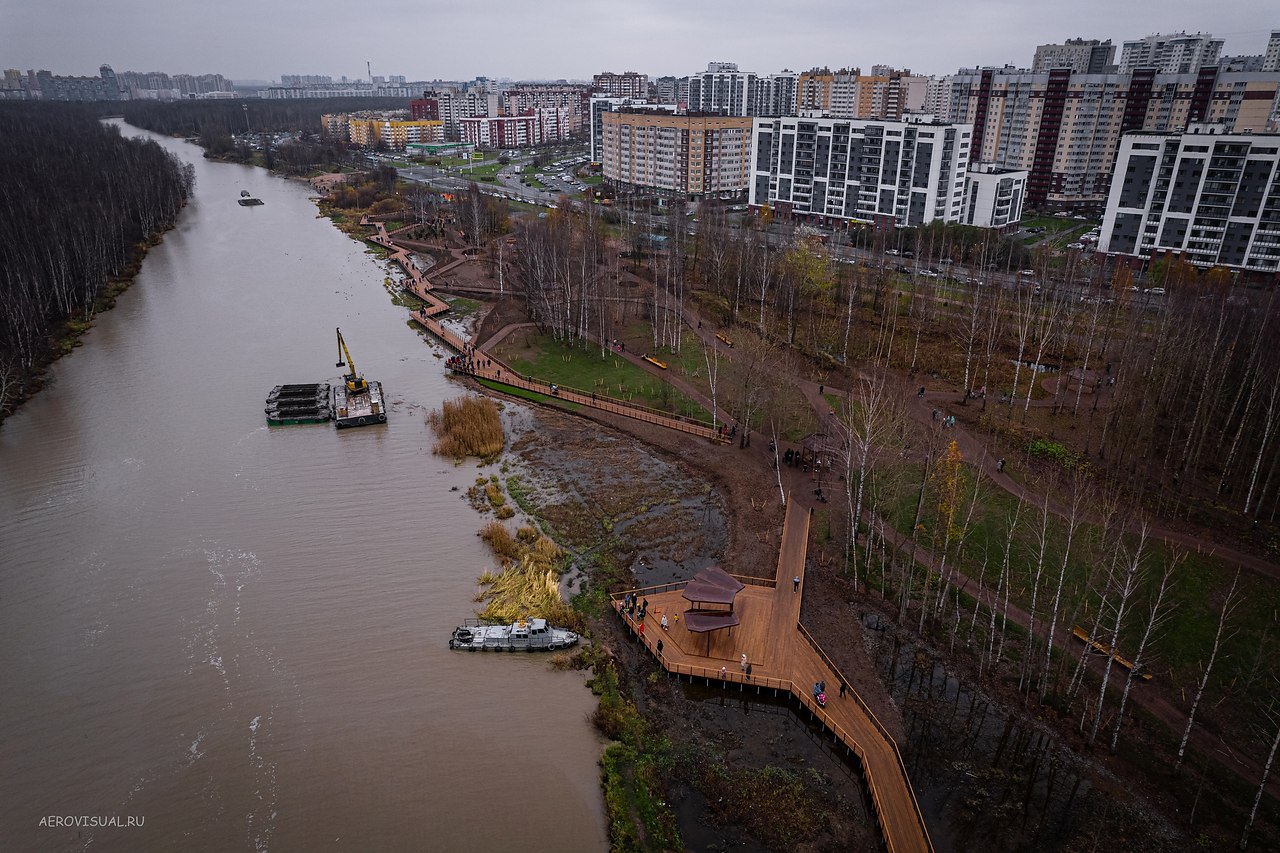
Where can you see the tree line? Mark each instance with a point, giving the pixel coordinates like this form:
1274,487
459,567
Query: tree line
77,206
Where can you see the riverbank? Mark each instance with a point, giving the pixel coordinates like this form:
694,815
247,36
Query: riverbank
67,337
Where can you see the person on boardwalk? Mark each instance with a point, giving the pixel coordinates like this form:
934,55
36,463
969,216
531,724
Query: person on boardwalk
795,584
748,672
844,688
724,673
642,630
744,661
664,623
659,647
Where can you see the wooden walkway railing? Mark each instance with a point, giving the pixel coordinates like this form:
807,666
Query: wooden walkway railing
489,368
780,649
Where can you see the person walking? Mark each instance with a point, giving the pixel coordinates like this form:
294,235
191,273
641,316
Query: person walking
664,623
795,584
659,647
844,688
748,672
744,661
642,630
1000,465
724,673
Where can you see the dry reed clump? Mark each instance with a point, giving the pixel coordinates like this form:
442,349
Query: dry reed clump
501,542
467,426
529,583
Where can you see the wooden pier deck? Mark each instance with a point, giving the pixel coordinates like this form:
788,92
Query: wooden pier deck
785,658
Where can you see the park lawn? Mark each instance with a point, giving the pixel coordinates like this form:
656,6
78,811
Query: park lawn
583,369
796,420
491,170
1053,224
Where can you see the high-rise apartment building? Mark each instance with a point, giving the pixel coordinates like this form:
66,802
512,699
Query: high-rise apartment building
451,105
1065,128
690,155
1083,56
723,89
601,104
1211,198
890,173
887,93
629,84
519,99
1170,54
1271,59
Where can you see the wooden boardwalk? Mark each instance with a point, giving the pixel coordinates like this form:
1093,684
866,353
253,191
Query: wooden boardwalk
785,658
484,366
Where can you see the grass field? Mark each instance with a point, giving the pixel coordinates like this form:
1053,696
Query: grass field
583,369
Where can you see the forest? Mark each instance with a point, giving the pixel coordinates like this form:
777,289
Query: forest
78,206
225,117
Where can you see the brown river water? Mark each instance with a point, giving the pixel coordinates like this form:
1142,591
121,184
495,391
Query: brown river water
238,634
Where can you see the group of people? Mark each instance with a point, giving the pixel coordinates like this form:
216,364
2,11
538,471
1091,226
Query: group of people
947,420
634,609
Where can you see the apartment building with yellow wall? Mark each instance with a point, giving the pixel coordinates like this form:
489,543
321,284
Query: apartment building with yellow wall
689,155
368,131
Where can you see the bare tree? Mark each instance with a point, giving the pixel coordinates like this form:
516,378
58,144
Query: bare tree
1229,604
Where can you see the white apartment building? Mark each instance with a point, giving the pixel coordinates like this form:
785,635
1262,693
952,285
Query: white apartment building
1171,54
993,196
903,173
1207,196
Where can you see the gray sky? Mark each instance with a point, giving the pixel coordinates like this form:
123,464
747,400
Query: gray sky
427,39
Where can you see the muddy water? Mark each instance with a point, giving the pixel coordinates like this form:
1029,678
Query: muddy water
235,633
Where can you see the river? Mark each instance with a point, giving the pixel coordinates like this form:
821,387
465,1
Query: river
238,633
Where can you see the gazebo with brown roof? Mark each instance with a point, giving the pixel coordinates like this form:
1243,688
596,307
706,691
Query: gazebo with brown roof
711,586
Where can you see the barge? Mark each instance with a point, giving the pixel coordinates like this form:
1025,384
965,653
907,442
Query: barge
357,401
301,403
530,635
361,408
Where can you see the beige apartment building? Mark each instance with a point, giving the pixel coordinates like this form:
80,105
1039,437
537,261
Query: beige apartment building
1065,128
692,155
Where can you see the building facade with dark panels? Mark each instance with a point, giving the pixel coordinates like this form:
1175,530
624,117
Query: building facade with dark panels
888,173
1209,197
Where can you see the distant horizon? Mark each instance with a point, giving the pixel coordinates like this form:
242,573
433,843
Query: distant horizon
574,40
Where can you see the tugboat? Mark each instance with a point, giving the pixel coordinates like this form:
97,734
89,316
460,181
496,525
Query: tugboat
530,635
356,402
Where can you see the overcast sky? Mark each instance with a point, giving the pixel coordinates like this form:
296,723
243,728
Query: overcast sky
573,39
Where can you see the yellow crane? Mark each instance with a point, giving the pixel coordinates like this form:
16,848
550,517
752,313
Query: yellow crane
355,382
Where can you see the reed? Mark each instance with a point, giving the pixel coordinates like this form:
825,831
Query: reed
529,582
467,426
